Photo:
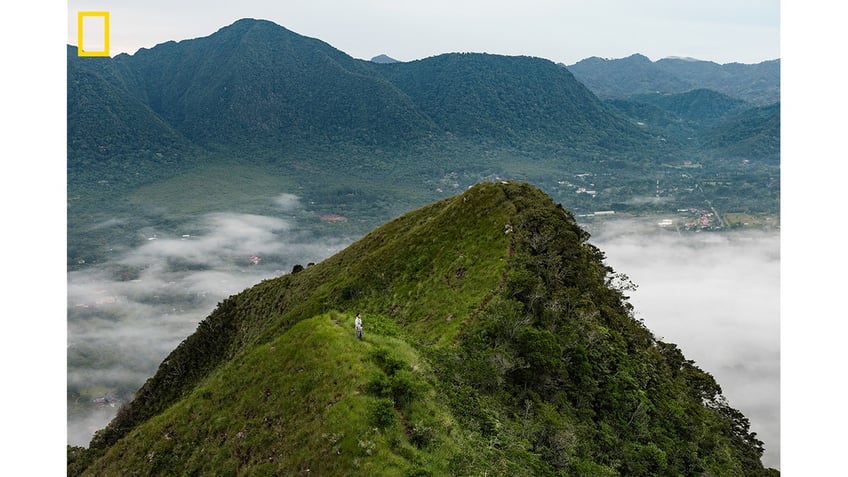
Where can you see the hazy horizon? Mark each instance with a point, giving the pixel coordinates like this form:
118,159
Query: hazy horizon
126,314
561,31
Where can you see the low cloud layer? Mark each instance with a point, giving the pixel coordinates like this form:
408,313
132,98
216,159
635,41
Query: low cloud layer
126,315
717,296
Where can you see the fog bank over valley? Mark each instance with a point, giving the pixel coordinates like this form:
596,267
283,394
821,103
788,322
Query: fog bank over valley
127,314
717,296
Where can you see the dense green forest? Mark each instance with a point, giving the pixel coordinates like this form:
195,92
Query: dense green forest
496,342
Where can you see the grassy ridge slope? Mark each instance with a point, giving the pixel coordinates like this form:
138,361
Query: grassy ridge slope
299,403
497,342
397,269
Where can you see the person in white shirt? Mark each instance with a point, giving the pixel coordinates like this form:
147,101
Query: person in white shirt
358,324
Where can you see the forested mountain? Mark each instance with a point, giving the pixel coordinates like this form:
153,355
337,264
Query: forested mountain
755,83
699,108
256,82
509,98
110,120
621,78
753,133
257,85
496,342
709,121
625,77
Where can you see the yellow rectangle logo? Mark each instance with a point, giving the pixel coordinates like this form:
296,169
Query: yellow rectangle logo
96,41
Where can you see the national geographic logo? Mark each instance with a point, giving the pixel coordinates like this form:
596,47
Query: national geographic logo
93,33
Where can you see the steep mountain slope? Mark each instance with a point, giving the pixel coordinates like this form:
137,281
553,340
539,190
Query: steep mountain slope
255,81
108,122
496,342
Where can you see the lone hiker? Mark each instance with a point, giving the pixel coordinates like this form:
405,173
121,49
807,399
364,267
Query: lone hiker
358,324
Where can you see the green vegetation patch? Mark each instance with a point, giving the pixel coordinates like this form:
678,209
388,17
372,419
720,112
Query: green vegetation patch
298,402
426,271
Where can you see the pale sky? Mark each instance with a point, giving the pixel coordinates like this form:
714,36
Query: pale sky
564,31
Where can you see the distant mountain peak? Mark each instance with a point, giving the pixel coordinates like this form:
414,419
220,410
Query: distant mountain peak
246,25
252,22
384,59
638,56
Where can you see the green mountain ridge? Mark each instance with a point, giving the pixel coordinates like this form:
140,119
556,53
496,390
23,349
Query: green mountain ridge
497,342
108,120
758,84
624,77
724,125
700,107
750,133
472,95
260,95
